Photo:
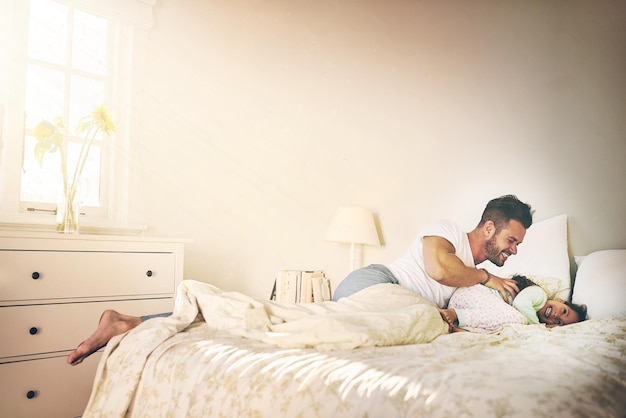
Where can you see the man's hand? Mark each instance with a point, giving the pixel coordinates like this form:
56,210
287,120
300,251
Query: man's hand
503,286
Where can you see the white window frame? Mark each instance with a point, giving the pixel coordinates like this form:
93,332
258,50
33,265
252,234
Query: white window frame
133,20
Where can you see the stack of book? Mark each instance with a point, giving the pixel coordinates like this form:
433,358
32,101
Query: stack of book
301,286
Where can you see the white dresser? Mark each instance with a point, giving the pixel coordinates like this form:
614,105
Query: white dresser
53,289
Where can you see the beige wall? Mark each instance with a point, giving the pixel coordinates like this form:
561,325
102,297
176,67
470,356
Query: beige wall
261,117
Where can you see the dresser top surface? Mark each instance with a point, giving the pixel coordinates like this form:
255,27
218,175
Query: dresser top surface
8,234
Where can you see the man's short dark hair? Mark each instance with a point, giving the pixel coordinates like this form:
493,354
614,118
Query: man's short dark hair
504,208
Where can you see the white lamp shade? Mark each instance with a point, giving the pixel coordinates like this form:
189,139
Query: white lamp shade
353,225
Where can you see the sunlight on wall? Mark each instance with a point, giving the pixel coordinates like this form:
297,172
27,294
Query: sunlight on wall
260,120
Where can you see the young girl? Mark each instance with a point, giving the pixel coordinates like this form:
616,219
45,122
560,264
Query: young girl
481,309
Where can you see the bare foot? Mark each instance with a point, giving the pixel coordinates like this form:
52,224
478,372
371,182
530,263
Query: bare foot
111,323
449,315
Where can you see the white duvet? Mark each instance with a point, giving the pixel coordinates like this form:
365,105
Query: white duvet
380,315
356,358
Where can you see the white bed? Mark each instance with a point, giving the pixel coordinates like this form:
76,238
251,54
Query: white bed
382,353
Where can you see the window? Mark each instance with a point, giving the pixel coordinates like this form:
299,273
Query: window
67,75
63,58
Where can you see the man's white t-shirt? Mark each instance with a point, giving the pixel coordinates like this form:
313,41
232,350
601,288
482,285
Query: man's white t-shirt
409,268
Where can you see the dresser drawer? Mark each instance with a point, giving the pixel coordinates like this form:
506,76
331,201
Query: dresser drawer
46,388
37,329
33,275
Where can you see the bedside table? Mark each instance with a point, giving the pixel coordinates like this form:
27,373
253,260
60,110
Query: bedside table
53,289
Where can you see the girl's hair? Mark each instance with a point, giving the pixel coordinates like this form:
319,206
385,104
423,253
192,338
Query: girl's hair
524,282
581,310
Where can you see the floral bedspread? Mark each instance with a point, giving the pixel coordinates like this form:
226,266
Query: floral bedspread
167,368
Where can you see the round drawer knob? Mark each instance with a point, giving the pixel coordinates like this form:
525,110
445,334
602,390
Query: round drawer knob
149,273
35,275
31,394
33,330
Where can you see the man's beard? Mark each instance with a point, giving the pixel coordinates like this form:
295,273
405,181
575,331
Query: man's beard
493,253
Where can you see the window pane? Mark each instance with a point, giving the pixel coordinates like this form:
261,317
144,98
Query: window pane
40,184
89,43
88,192
47,31
86,94
44,94
45,184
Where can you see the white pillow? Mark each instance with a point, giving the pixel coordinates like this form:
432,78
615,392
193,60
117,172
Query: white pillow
542,256
601,284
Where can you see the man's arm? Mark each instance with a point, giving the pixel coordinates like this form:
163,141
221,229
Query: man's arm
444,266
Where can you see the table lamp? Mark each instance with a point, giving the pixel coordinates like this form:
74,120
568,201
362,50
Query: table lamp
355,226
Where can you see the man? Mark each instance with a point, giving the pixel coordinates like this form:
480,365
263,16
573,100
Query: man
441,259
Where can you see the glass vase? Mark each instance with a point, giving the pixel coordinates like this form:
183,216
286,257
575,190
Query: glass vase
68,214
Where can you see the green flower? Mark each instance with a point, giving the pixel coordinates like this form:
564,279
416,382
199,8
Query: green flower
49,138
43,130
